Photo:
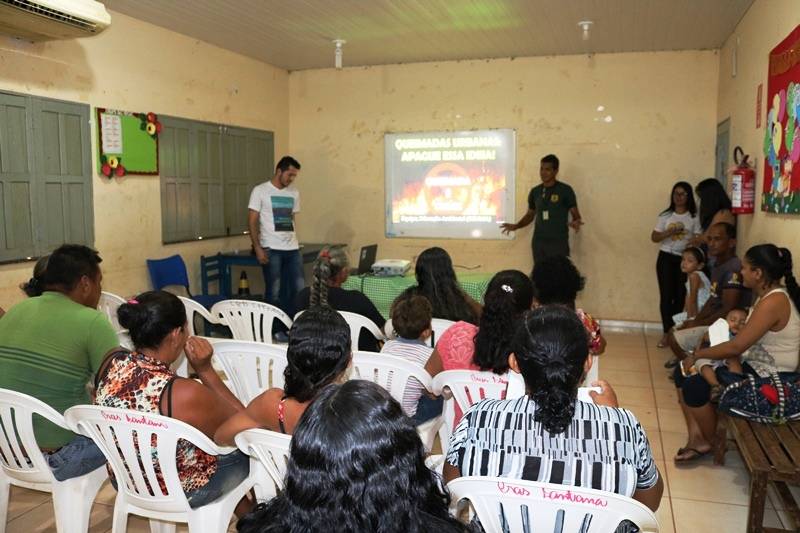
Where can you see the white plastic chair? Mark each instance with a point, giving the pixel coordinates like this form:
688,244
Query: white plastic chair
124,338
181,365
504,504
108,304
251,367
357,323
393,374
439,326
271,453
249,320
23,465
464,387
115,431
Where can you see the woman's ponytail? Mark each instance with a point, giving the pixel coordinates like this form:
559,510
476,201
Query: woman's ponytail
551,347
788,276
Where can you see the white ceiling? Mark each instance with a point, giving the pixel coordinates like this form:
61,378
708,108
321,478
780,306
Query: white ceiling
297,34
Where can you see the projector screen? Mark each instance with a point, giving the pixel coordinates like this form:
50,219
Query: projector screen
449,184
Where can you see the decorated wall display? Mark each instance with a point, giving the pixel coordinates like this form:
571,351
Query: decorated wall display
127,142
782,132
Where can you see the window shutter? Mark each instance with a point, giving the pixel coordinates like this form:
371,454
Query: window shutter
177,205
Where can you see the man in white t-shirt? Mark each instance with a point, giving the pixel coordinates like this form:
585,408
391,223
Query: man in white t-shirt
272,207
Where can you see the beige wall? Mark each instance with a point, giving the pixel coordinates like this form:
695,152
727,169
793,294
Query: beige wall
139,67
663,109
766,24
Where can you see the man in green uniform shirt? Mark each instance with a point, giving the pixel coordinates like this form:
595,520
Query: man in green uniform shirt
50,348
551,204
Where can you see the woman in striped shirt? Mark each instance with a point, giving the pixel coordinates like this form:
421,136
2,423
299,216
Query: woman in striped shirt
549,435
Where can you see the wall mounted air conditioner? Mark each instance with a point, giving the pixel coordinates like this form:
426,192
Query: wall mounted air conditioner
42,20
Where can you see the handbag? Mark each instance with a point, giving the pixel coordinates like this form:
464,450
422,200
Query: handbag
770,400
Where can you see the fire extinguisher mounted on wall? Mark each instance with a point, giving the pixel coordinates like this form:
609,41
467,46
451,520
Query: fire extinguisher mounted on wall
743,184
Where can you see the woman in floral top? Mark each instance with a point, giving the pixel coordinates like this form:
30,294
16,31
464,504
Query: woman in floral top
557,281
142,380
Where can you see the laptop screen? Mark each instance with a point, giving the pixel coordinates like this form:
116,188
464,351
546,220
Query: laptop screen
366,258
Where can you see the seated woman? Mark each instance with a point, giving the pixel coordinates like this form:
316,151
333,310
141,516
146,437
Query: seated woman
436,280
773,324
143,381
464,346
318,354
34,286
331,270
554,437
556,281
365,475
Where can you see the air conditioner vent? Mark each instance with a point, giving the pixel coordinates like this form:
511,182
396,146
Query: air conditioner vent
52,14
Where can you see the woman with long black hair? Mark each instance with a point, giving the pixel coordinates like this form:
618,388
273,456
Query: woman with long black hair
436,280
357,465
677,225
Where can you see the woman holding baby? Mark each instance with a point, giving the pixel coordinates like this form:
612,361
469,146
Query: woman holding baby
769,341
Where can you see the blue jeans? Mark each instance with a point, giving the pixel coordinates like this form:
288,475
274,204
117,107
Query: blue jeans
232,469
76,458
427,408
283,278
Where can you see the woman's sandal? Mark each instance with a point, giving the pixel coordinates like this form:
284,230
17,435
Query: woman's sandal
695,455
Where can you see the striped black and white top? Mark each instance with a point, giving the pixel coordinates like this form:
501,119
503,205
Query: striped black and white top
603,448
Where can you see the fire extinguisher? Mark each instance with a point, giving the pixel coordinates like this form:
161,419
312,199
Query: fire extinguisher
743,184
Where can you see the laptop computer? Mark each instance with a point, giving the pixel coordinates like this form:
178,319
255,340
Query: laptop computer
365,259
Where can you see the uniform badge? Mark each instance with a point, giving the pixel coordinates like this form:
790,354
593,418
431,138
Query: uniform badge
554,198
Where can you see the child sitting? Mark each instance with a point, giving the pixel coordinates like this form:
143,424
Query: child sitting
557,281
698,287
411,320
736,319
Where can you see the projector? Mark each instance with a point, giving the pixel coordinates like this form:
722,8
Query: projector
391,267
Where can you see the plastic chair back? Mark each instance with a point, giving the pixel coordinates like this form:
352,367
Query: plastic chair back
393,374
193,308
357,323
168,271
126,439
22,464
108,304
465,387
251,367
250,320
271,449
439,326
594,372
504,504
20,456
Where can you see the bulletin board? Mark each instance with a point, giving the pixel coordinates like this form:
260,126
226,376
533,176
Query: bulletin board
124,140
781,192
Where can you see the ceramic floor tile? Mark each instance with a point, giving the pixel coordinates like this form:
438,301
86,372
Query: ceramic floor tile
622,361
695,516
107,494
23,500
664,515
705,482
654,437
660,379
671,420
666,398
647,417
625,378
42,519
634,396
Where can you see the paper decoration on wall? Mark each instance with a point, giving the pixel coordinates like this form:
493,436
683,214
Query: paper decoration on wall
781,192
128,142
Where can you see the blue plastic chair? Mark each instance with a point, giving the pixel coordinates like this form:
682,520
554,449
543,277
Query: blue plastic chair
172,271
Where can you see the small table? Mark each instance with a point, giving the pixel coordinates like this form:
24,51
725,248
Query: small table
383,290
226,260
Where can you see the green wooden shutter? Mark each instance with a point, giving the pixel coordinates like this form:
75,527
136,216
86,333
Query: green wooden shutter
63,211
208,153
16,171
177,204
247,161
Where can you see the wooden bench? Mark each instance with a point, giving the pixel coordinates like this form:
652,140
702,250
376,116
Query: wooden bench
772,455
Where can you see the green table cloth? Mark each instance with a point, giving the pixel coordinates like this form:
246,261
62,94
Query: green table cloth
383,290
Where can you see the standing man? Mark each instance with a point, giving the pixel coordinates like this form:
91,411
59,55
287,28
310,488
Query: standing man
272,207
550,204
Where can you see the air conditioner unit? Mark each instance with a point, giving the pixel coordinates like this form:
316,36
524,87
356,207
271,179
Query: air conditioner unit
43,20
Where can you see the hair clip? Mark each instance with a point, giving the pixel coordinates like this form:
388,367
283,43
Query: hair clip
506,288
133,301
325,254
780,253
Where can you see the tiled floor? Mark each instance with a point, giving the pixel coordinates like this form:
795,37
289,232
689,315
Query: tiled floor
701,497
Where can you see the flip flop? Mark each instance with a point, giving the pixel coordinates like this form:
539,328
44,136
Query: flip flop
696,454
